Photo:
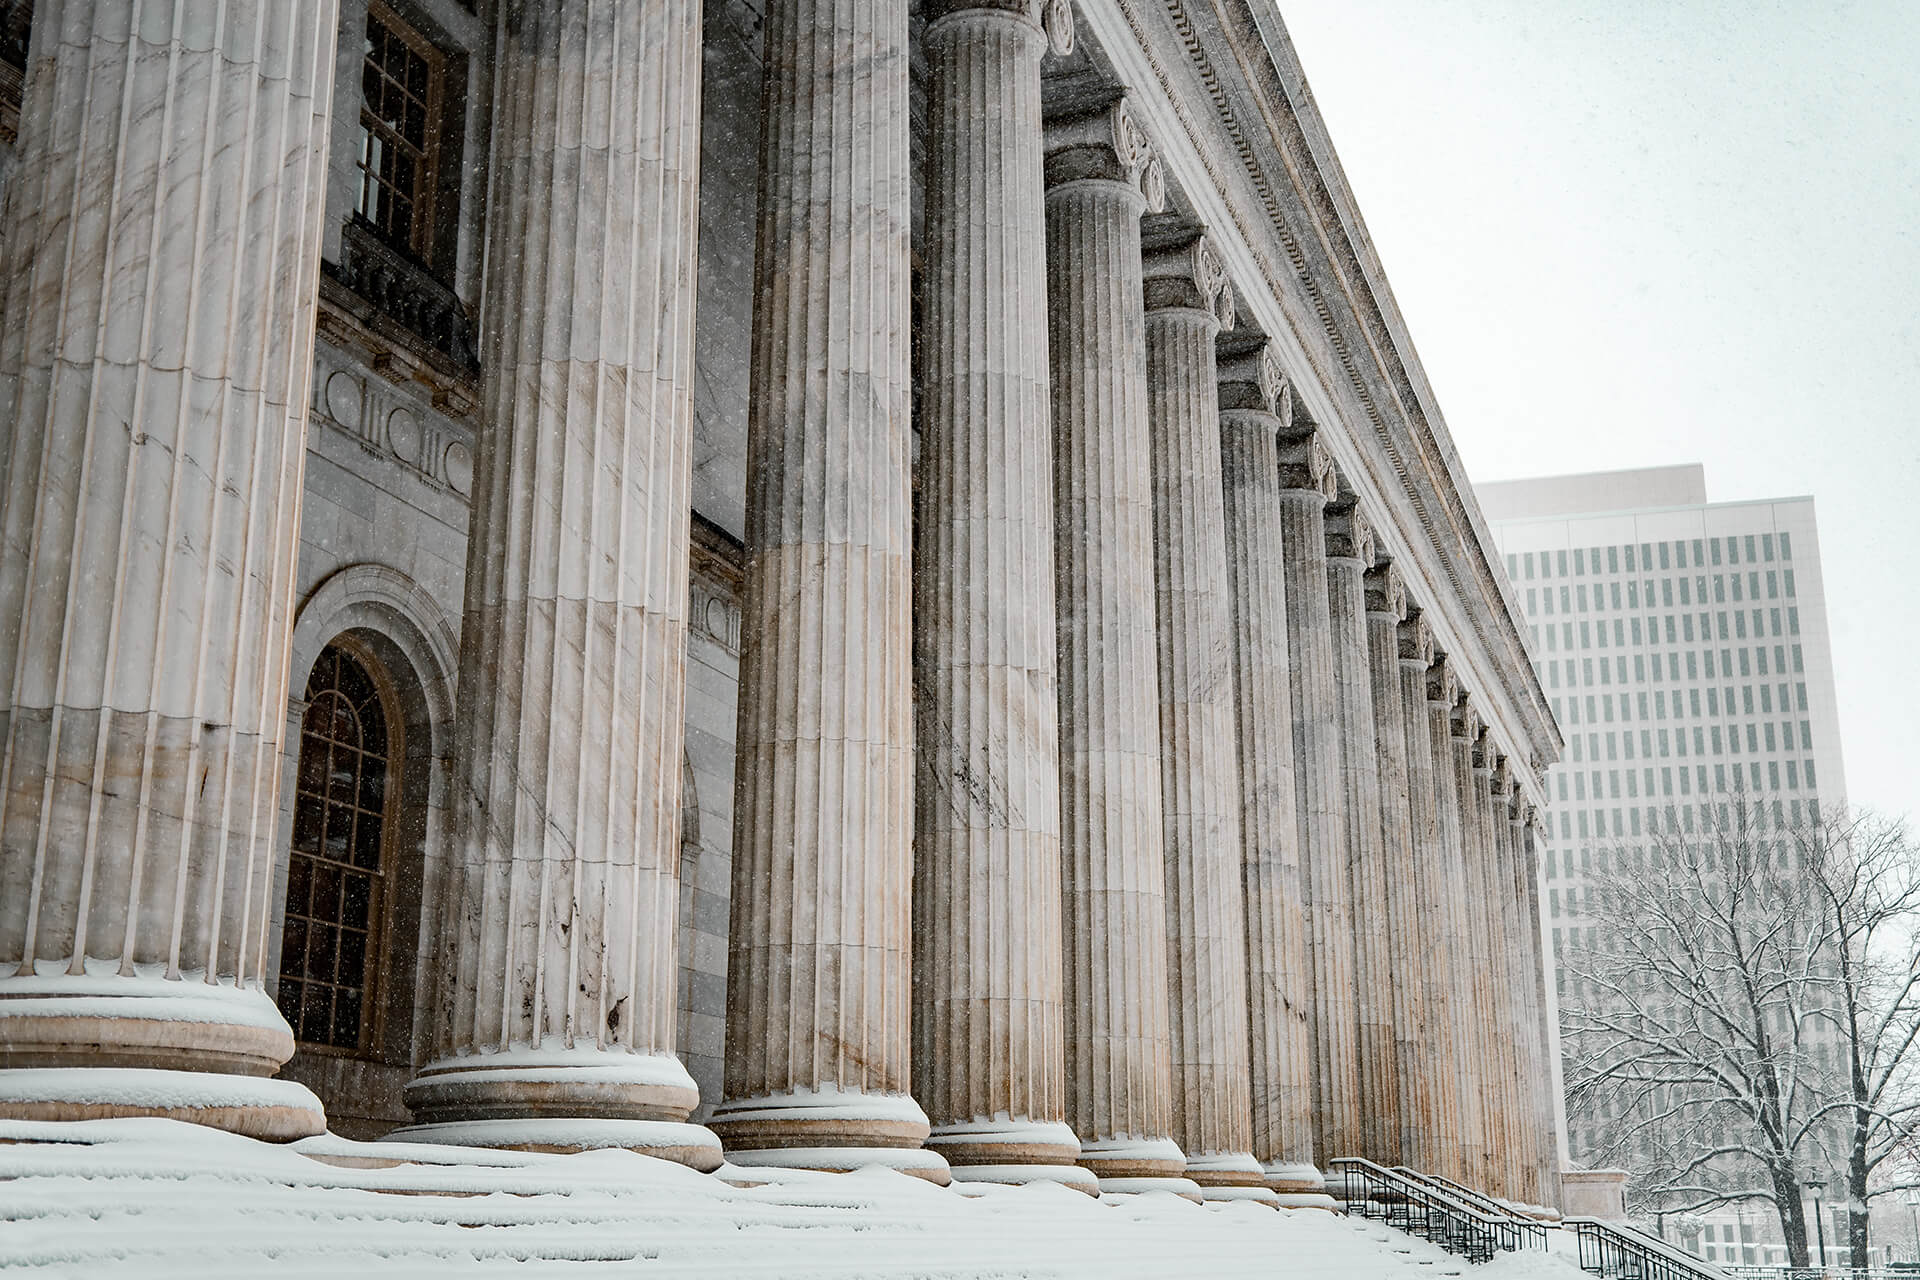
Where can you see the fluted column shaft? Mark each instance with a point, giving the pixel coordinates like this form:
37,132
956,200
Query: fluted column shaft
1279,991
819,1015
1460,1048
1119,1081
161,249
1522,1016
1435,1143
1470,785
1546,1135
989,1059
1498,910
1206,915
1321,803
556,981
1371,990
1396,966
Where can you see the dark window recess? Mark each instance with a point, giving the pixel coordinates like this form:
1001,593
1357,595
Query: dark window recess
16,26
330,948
401,288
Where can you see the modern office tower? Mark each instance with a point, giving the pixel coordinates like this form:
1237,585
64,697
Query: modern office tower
1683,647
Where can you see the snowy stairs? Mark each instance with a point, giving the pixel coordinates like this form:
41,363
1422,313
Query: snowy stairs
160,1199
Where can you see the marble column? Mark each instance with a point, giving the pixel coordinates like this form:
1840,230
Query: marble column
1307,485
554,1025
1435,1142
161,243
1470,776
1460,1061
1119,1054
989,1060
1188,299
1392,890
819,1013
1498,911
1349,553
1522,1017
1254,402
1546,1110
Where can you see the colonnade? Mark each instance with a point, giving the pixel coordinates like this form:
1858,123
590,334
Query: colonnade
1110,818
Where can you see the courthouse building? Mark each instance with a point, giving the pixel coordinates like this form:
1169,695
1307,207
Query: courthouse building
853,583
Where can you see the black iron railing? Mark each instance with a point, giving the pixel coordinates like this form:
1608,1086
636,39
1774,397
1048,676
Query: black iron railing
404,291
1419,1208
1533,1232
1612,1249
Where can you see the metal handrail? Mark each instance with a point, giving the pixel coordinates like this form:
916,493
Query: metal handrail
1535,1232
1613,1249
1419,1208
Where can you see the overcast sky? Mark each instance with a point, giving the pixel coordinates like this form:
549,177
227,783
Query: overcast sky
1641,232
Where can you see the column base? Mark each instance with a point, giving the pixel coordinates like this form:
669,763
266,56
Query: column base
104,1045
1231,1176
561,1100
1300,1186
1134,1166
1008,1152
829,1130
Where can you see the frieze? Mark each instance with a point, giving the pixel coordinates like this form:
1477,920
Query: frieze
389,424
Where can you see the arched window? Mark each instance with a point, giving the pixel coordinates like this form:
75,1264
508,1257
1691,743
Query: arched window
336,871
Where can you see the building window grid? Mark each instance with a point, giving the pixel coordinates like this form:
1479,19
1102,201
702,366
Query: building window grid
401,83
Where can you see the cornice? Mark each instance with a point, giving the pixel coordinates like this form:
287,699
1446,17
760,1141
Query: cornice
1278,192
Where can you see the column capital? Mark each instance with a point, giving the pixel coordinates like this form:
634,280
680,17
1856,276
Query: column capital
1053,17
1181,269
1416,640
1443,687
1482,748
1465,723
1251,376
1386,591
1305,464
1502,774
1349,530
1098,139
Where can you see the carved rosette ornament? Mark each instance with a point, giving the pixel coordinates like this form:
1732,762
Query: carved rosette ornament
1056,19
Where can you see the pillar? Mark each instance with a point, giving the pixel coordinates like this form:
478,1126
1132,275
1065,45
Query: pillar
1546,1084
1187,299
161,257
1434,1144
1497,910
1320,796
1523,1015
1399,964
1470,780
1458,1063
989,1060
819,1014
1349,554
1119,1085
555,984
1254,401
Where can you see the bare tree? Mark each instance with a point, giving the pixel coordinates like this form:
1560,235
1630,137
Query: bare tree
1865,874
1689,1017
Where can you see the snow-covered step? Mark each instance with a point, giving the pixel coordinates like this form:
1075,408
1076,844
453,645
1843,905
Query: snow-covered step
160,1199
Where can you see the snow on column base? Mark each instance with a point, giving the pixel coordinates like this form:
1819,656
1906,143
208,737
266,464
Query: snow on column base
252,1106
1231,1176
104,1018
1300,1186
1012,1152
1133,1166
829,1129
686,1144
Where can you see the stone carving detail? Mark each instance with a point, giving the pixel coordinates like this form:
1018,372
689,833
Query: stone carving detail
1105,142
1386,591
1056,19
714,612
1186,270
1349,533
387,423
1251,376
1306,464
1416,639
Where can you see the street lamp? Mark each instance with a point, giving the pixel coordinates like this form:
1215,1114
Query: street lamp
1814,1187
